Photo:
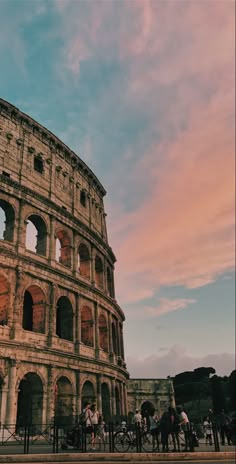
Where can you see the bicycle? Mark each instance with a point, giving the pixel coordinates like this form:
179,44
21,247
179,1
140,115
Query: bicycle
124,440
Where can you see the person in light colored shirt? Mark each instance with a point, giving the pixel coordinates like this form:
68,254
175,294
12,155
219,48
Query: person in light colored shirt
184,424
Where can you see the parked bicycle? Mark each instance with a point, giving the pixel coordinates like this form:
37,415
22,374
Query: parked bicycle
125,441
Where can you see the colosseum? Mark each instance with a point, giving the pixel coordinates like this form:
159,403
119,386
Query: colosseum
61,329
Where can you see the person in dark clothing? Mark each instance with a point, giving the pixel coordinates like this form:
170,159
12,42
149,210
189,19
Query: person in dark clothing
174,428
224,422
165,430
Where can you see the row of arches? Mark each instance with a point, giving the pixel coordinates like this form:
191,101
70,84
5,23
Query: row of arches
36,240
35,316
31,405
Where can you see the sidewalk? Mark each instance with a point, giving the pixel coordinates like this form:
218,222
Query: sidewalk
117,457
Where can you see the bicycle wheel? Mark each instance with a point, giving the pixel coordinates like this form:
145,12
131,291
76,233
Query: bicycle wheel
147,443
121,442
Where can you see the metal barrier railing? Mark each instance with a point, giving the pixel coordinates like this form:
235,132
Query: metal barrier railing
54,438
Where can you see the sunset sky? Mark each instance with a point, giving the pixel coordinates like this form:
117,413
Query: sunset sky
143,92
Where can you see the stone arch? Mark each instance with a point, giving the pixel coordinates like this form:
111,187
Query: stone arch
106,401
147,409
63,401
84,260
87,323
63,247
117,399
7,221
114,337
87,393
36,234
30,400
64,319
4,300
109,282
98,271
103,332
34,309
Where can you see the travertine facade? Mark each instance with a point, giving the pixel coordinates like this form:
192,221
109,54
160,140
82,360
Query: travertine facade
149,394
61,329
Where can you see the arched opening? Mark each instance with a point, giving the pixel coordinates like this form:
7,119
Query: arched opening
63,248
30,401
147,409
84,261
64,319
98,272
7,220
114,338
117,396
87,393
34,310
4,300
36,235
63,402
87,324
103,332
109,282
106,402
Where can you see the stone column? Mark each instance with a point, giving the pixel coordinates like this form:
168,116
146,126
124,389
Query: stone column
99,393
111,351
11,396
77,324
78,405
122,341
50,396
51,315
3,404
52,242
92,268
105,276
113,397
124,399
74,255
96,330
15,320
20,227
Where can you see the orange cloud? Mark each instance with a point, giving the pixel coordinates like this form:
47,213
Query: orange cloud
179,62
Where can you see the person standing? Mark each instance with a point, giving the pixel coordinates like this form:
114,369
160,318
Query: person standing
224,422
94,423
154,428
174,428
184,424
207,427
165,430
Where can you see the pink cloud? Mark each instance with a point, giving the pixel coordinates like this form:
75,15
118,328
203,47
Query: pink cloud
177,360
164,306
182,231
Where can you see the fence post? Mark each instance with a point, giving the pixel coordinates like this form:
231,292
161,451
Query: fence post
190,435
138,437
215,437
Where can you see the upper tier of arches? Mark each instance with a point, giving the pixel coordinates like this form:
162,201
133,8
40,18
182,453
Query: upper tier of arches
62,245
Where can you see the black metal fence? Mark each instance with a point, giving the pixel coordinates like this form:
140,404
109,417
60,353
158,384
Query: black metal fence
110,438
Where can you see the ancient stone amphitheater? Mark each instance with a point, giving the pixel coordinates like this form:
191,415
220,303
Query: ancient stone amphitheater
61,329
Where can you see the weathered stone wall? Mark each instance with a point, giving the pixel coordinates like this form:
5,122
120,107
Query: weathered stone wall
159,393
45,299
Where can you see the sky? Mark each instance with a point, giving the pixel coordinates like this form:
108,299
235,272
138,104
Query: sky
143,91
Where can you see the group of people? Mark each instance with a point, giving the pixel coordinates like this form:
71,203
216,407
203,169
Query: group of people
168,424
94,423
222,422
